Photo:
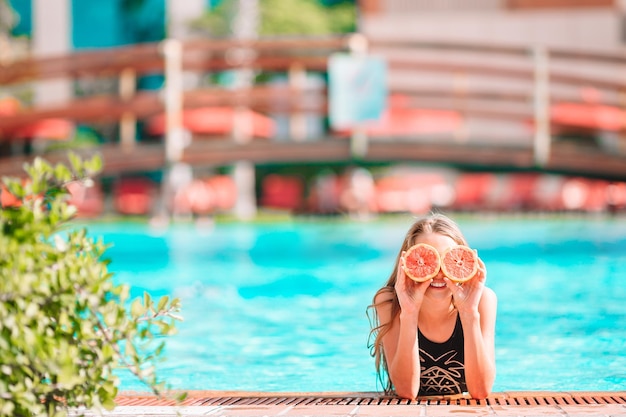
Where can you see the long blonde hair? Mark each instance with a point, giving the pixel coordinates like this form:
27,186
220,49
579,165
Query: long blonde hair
434,223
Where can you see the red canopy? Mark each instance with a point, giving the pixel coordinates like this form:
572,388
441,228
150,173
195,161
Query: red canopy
217,121
589,115
51,128
60,129
401,120
9,106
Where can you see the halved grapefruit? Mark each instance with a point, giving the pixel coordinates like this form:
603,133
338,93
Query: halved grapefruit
421,262
459,263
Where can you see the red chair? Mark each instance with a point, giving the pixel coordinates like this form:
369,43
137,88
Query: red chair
282,192
472,191
134,196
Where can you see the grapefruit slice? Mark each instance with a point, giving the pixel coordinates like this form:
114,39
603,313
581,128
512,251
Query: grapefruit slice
459,263
421,262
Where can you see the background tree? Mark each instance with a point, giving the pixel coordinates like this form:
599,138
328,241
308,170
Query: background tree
65,326
8,19
284,17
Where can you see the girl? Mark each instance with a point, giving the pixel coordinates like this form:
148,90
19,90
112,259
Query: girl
435,337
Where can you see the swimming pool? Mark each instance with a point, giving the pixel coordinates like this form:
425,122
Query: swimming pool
281,307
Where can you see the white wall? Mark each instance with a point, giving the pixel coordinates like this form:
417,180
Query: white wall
52,22
595,29
179,13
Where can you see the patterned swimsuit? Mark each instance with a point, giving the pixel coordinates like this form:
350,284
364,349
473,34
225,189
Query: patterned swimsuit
442,364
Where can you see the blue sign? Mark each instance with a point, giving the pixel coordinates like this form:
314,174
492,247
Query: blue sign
357,89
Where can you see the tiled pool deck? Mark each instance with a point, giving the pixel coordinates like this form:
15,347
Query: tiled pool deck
220,403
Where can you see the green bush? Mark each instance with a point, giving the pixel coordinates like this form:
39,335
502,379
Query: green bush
64,325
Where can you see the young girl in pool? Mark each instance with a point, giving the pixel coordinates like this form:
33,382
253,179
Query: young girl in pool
435,337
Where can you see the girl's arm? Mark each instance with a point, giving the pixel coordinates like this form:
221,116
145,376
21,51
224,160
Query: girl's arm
477,306
400,342
479,334
401,351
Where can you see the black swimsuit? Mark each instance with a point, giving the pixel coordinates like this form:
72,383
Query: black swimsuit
442,364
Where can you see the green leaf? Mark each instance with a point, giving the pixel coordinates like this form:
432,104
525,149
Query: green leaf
137,309
108,403
75,161
94,165
163,303
16,189
147,300
62,173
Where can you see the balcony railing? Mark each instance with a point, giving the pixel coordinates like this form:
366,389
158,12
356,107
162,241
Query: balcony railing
418,6
403,6
499,85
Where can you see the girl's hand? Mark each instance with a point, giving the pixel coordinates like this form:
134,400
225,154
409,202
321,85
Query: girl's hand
467,295
410,293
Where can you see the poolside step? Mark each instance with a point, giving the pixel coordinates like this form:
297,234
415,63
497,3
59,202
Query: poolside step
523,399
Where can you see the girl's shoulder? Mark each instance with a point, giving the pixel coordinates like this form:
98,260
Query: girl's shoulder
488,300
384,295
489,294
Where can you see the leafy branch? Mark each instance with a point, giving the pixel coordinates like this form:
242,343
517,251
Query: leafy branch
65,327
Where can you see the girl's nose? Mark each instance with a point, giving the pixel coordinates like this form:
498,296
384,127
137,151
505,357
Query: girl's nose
440,274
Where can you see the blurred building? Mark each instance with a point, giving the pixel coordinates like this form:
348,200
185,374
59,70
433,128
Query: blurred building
463,74
485,59
580,24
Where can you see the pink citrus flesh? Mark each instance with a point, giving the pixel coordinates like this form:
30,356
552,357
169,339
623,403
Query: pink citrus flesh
459,263
421,262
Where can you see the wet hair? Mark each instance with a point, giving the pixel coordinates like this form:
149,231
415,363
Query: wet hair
434,223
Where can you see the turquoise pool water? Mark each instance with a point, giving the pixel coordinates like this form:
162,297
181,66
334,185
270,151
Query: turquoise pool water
281,307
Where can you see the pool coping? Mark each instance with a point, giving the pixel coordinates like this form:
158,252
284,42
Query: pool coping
252,403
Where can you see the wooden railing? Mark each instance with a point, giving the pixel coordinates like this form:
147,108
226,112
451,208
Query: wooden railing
486,83
197,56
